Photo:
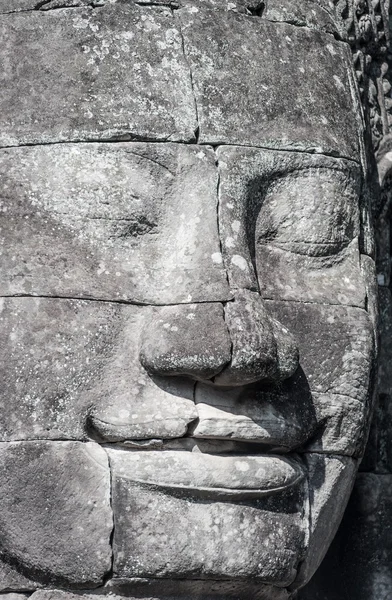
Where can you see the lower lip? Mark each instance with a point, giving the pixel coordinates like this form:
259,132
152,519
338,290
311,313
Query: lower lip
230,476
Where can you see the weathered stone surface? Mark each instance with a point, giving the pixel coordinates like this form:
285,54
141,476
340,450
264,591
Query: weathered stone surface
341,422
336,345
11,579
262,348
305,13
202,475
9,6
53,494
243,81
280,417
331,479
116,70
215,494
175,589
190,340
336,348
368,268
61,359
175,533
96,221
305,251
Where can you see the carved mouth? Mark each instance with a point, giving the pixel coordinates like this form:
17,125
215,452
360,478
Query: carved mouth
222,476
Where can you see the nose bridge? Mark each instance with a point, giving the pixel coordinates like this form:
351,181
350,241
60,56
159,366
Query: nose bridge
230,345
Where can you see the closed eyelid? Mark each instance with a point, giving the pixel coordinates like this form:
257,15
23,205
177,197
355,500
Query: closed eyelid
315,215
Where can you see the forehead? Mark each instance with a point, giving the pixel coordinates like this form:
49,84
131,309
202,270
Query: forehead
155,74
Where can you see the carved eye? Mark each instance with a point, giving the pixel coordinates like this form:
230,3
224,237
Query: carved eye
313,212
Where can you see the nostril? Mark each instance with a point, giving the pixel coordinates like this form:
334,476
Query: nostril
188,339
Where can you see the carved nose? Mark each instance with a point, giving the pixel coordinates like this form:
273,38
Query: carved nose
230,346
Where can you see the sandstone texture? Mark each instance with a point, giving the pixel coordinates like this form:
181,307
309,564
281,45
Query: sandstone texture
281,417
336,346
307,13
68,364
251,64
218,539
11,579
188,306
191,340
96,221
53,494
276,242
331,479
94,74
150,589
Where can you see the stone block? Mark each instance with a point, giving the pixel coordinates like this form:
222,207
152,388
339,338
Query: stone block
243,70
9,6
323,407
122,67
275,241
62,360
336,345
305,13
163,530
262,349
56,519
111,221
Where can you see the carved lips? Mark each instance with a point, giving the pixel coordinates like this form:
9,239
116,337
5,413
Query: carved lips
230,476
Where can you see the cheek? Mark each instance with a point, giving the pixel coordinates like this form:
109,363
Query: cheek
63,359
336,347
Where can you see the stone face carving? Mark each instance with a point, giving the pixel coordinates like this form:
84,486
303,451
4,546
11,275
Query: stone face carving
188,316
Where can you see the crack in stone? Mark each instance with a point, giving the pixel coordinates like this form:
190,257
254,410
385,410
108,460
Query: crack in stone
44,5
179,25
136,139
103,300
314,303
110,573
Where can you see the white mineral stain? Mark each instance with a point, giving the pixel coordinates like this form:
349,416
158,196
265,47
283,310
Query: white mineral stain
217,258
239,262
236,226
338,82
